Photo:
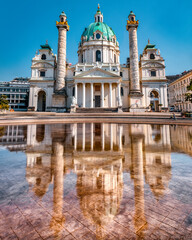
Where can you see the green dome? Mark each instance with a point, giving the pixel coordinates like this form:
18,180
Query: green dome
100,26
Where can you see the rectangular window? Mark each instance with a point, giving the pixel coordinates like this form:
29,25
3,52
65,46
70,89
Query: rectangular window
153,73
42,73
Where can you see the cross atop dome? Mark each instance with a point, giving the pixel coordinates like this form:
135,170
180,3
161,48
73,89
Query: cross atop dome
98,15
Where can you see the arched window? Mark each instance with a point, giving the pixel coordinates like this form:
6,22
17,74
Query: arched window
43,57
82,58
115,58
98,18
153,73
62,20
98,56
154,94
122,91
132,18
98,36
152,56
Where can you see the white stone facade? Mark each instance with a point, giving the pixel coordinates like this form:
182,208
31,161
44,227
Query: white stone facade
98,80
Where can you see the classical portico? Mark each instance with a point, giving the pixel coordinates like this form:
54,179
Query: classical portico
97,88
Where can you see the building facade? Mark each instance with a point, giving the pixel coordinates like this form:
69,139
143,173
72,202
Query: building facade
177,90
17,92
98,81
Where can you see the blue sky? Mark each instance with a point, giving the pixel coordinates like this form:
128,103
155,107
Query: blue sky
27,24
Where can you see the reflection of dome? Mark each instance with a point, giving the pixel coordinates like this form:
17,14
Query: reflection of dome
103,28
100,192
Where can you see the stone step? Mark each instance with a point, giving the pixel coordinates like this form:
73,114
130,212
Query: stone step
96,110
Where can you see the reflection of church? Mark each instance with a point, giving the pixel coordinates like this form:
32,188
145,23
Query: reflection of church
99,154
98,81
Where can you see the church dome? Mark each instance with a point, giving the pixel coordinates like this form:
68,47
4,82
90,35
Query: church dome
103,28
98,43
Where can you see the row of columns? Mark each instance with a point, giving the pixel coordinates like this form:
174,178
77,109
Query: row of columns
102,94
120,133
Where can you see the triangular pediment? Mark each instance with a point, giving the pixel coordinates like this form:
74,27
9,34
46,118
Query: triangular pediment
97,73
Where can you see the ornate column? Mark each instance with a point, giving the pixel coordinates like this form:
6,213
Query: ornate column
102,94
63,27
110,95
91,95
84,95
135,94
132,25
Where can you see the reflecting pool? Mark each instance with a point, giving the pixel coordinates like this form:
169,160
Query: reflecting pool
95,181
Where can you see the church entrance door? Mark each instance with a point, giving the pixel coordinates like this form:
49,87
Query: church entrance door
41,104
97,101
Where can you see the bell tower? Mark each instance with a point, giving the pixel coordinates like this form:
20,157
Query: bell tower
63,27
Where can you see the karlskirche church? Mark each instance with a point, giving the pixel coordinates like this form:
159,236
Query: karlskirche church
98,82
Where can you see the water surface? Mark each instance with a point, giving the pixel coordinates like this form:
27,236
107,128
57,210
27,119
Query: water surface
95,181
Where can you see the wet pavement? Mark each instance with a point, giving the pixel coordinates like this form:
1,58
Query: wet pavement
96,181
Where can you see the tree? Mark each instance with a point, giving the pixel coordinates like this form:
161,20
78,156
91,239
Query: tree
2,131
4,103
188,94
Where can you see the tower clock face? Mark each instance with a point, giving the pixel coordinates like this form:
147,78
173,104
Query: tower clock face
98,36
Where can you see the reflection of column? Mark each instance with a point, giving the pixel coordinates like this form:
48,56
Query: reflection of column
102,94
58,166
75,136
111,136
83,134
137,163
120,137
91,95
84,95
91,136
103,137
110,95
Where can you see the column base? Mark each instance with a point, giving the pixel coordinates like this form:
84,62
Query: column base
135,102
119,110
73,109
58,102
